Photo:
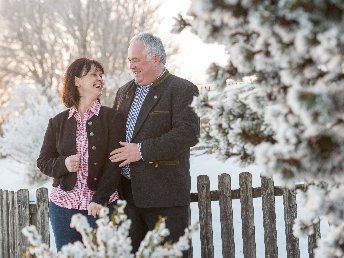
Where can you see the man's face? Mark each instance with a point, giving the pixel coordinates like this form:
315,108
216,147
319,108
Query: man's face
143,68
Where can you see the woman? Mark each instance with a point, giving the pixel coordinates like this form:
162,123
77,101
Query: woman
76,148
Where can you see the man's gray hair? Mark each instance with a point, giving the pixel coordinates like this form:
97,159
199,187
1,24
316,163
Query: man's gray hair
153,45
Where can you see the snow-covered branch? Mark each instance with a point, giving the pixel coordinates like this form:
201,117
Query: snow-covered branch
289,119
111,239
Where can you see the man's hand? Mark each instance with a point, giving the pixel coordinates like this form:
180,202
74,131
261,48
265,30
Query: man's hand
72,163
128,153
94,209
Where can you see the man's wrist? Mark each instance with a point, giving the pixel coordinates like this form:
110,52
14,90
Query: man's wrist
139,148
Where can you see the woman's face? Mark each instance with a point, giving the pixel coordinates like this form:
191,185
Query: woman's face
91,84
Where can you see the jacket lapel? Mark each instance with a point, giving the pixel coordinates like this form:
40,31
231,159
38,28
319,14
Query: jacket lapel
69,142
151,99
128,99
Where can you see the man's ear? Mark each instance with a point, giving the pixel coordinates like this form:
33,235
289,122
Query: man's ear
157,59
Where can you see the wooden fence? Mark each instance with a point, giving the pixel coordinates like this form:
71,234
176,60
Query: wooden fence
16,212
246,193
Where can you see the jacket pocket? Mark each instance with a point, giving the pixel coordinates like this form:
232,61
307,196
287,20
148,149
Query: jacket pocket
164,163
159,112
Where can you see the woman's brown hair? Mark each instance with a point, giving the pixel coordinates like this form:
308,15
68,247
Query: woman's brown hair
78,68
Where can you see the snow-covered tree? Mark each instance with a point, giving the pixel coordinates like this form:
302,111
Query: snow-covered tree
26,114
290,119
111,239
39,38
111,85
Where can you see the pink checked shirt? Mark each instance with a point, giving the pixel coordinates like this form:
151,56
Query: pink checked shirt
80,197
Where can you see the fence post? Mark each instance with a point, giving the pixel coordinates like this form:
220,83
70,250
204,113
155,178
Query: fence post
23,219
290,213
312,239
4,219
42,214
190,252
269,217
2,235
11,224
247,215
205,217
226,216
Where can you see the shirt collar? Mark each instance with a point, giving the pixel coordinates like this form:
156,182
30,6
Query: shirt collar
148,85
92,110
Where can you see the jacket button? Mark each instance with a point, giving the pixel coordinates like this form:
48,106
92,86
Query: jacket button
95,179
156,165
89,123
94,147
95,163
91,133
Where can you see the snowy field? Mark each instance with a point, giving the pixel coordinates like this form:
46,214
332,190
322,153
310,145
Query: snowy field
11,179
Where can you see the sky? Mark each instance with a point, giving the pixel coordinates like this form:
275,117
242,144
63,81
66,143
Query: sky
191,60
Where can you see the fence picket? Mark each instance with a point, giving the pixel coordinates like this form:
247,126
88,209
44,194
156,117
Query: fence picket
269,218
312,239
2,235
23,218
205,217
290,212
247,215
226,216
190,253
42,215
11,225
16,231
5,222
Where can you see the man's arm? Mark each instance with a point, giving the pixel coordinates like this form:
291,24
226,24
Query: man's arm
184,133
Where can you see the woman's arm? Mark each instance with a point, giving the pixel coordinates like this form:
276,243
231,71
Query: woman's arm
109,181
50,162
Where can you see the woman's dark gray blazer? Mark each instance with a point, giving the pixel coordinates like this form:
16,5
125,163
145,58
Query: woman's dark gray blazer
104,132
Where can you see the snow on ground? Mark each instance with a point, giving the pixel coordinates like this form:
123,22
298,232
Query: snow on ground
201,164
10,178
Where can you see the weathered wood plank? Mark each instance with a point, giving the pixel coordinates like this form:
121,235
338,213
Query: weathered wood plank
256,193
2,235
226,216
23,218
205,217
312,239
269,218
190,252
42,214
290,213
6,248
11,224
247,215
16,249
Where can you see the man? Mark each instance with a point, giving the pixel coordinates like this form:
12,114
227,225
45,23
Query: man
160,129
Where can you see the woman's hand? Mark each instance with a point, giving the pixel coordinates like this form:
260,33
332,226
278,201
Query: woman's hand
72,163
94,209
